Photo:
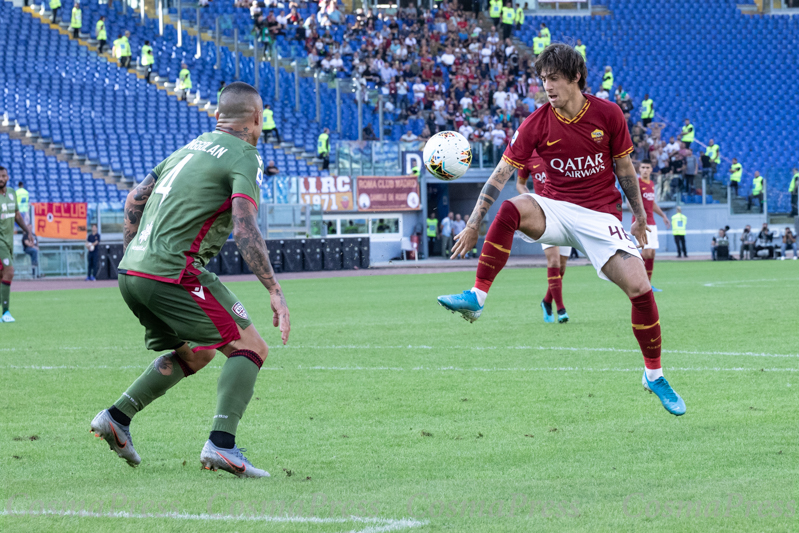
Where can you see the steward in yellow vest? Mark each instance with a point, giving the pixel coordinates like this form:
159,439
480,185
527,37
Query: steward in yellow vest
519,17
647,110
323,148
687,133
269,126
607,79
508,20
147,59
55,5
101,36
580,48
736,171
538,44
495,10
77,21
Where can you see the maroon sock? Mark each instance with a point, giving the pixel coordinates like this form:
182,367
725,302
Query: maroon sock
649,264
555,287
497,245
646,328
548,295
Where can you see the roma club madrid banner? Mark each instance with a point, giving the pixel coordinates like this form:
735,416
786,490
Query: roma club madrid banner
328,193
60,220
382,193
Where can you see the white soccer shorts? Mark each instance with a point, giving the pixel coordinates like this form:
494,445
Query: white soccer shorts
564,250
598,235
652,242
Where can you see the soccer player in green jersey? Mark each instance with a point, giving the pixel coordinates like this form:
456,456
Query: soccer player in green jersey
9,213
176,220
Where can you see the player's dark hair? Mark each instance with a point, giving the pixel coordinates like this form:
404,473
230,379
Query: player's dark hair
235,99
564,60
647,162
3,168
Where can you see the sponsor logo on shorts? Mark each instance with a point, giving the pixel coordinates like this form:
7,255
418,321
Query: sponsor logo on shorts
199,292
239,310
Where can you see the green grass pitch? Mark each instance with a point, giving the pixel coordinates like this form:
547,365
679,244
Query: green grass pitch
387,413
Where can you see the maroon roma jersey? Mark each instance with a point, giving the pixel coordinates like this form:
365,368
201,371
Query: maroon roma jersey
578,153
648,195
534,167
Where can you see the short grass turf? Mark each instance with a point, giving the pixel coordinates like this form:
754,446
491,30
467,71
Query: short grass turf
385,405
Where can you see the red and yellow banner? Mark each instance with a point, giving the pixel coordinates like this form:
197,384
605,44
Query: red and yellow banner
328,193
60,220
386,193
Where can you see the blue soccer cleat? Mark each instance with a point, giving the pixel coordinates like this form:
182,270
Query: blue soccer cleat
670,399
563,317
7,317
465,303
548,317
656,290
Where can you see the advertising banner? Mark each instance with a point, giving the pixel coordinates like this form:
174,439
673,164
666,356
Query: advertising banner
386,193
60,220
328,193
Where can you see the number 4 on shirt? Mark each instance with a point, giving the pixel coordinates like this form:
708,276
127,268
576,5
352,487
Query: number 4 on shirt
166,182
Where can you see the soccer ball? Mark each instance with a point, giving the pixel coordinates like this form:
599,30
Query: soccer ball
447,155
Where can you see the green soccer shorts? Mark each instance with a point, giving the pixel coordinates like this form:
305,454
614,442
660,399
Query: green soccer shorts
6,256
199,310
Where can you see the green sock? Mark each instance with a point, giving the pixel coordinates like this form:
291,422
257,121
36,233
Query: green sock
5,294
159,377
234,390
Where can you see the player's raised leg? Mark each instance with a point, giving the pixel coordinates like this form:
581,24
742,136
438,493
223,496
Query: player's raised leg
627,271
521,213
235,388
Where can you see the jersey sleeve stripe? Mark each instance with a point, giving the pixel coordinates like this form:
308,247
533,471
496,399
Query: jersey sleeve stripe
512,163
241,195
628,151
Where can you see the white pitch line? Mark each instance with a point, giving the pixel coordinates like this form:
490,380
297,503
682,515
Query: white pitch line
379,524
433,368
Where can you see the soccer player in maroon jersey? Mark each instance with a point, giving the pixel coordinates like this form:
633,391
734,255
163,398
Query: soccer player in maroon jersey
647,188
582,140
556,255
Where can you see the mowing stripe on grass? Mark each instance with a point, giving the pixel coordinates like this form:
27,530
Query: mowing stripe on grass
378,524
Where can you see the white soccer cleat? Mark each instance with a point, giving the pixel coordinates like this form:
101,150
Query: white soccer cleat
230,460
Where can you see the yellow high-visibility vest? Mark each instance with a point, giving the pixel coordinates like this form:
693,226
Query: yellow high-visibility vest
519,15
496,9
55,4
678,224
23,200
147,58
712,152
688,133
607,81
580,49
547,36
322,146
648,108
757,185
77,18
737,171
185,79
791,188
99,29
508,15
269,120
538,45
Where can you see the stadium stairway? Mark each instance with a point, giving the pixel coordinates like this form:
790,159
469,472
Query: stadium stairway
284,153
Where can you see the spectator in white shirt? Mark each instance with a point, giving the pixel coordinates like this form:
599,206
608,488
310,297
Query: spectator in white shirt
466,130
337,62
409,137
498,136
418,90
603,94
673,147
500,97
466,101
448,58
282,19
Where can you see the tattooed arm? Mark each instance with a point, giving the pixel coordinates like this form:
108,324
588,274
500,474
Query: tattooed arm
628,179
467,239
134,207
252,248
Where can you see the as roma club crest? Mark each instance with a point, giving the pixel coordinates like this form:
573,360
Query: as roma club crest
597,135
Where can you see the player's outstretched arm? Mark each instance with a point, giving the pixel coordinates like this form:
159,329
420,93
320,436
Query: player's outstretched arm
252,248
467,239
628,179
656,208
134,207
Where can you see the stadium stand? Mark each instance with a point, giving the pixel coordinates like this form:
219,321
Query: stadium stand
699,72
